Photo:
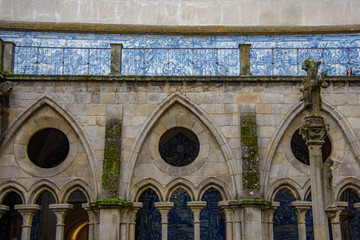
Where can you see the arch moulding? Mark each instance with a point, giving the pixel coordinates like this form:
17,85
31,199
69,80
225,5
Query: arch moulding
127,173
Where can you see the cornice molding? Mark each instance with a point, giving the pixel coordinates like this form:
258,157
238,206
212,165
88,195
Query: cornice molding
176,30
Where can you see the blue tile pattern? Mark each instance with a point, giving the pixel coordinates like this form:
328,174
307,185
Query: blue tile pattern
270,55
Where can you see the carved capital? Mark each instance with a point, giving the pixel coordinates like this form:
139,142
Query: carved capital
314,130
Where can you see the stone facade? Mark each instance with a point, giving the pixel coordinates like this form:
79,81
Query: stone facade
114,175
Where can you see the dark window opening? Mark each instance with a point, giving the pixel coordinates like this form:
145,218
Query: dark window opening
179,146
48,148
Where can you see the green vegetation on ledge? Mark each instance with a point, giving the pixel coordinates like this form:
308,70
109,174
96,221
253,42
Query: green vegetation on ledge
254,201
118,201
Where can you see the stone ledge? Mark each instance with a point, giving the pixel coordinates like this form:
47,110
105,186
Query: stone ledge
169,79
174,29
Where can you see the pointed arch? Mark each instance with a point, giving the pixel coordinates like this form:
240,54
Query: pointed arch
287,183
41,186
154,118
346,183
181,183
70,119
144,185
340,119
11,186
216,183
73,186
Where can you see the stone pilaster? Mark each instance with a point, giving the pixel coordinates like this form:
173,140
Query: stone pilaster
245,59
109,227
237,220
301,208
164,208
27,212
3,209
116,58
196,207
60,211
267,219
334,216
8,57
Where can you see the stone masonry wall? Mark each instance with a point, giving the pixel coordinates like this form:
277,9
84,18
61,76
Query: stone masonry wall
92,102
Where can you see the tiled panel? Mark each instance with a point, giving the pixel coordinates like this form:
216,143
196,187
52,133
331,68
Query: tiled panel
273,54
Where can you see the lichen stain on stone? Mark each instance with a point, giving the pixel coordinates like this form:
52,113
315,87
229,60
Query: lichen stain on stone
112,152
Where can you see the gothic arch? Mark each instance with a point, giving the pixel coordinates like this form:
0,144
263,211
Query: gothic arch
11,186
287,183
154,118
41,186
73,186
218,185
343,124
180,183
69,118
144,185
347,183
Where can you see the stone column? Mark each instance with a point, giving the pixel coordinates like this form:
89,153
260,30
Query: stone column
116,58
164,208
334,216
27,212
237,217
92,220
267,219
228,209
313,132
60,211
136,206
301,208
252,222
3,209
245,59
196,207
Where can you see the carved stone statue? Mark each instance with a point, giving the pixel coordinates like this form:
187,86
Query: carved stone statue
329,195
312,85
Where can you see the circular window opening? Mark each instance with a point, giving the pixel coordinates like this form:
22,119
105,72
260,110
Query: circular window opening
179,146
48,148
301,151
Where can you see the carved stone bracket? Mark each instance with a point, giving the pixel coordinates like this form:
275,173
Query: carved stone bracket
314,130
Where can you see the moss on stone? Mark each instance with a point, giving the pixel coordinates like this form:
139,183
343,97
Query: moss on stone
112,153
117,201
254,201
250,155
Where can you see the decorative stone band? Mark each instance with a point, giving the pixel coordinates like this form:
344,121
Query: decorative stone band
175,30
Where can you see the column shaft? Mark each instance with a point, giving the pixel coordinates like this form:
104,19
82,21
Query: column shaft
27,212
164,208
320,219
60,211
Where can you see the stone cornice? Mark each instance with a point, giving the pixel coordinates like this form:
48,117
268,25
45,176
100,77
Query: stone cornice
169,79
175,30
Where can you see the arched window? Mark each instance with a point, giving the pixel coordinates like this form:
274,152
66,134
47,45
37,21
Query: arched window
76,220
284,218
11,221
350,217
212,222
148,221
44,222
181,225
